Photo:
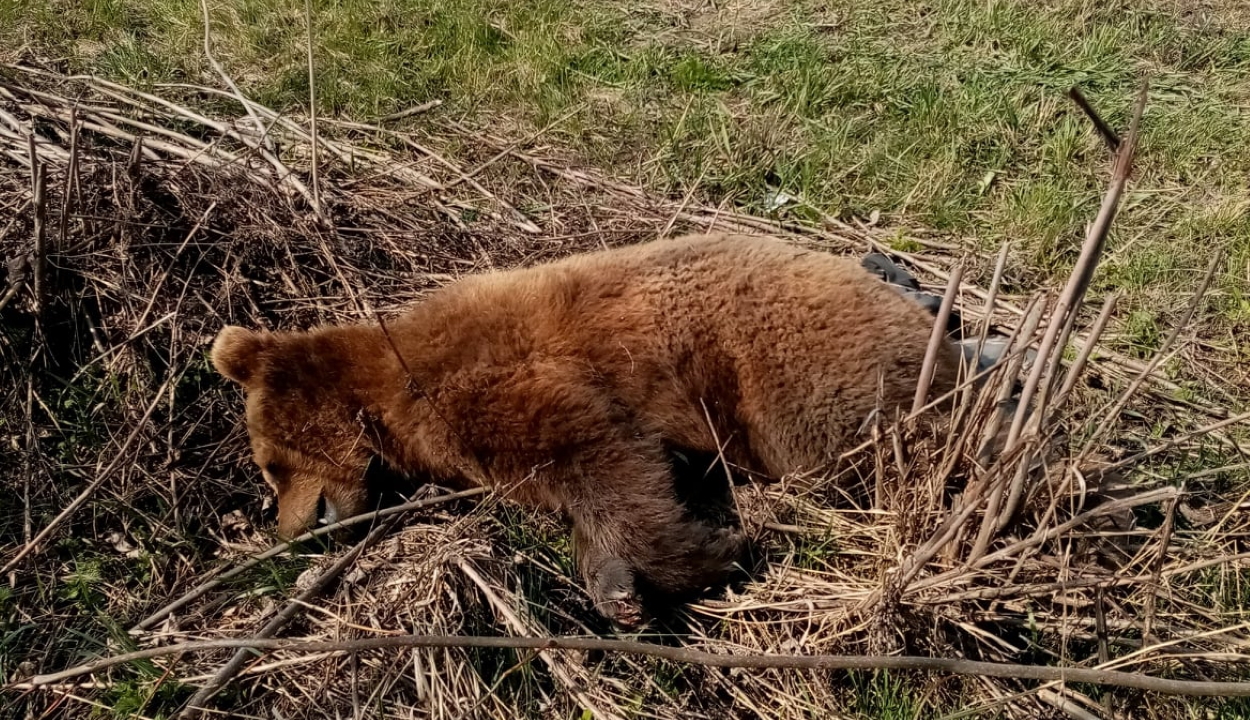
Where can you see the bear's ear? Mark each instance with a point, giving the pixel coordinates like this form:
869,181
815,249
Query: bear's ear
237,352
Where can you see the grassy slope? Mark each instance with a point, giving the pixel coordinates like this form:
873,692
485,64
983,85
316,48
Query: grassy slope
947,115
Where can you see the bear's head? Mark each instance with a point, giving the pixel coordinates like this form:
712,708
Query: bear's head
302,419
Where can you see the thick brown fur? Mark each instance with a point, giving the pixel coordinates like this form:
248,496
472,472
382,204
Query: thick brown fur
563,385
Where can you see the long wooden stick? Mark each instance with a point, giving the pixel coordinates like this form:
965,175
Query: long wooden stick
676,654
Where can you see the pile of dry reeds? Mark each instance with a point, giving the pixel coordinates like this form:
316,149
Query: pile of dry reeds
1012,552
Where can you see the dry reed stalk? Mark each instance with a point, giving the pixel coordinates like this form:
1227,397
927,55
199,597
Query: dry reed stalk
1007,491
1045,534
312,111
996,483
1165,539
1049,351
262,133
1078,365
991,296
1021,338
1175,442
1110,360
39,253
935,340
71,180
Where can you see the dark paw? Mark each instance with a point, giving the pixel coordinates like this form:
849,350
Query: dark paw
615,596
727,545
626,614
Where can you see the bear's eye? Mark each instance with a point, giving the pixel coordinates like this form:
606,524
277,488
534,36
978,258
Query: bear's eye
273,468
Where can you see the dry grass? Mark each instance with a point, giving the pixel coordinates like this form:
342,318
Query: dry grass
153,245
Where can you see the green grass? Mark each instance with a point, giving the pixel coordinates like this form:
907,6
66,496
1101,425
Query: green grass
881,695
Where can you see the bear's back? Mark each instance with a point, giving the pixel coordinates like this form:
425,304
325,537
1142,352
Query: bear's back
790,349
808,342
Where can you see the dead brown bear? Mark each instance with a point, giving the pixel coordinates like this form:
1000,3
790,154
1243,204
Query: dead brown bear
565,386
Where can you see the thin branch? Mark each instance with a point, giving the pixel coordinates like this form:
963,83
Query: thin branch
409,112
1114,413
160,281
1113,678
312,109
1108,135
38,256
1174,442
1019,342
415,389
403,364
261,131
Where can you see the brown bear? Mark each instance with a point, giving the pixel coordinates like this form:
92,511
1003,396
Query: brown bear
567,385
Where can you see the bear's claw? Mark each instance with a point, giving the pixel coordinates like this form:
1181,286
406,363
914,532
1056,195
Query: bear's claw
624,613
612,589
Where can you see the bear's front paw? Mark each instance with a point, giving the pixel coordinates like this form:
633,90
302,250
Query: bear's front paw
625,613
615,597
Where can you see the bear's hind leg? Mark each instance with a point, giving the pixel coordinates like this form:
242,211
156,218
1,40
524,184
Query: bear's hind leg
647,539
704,556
